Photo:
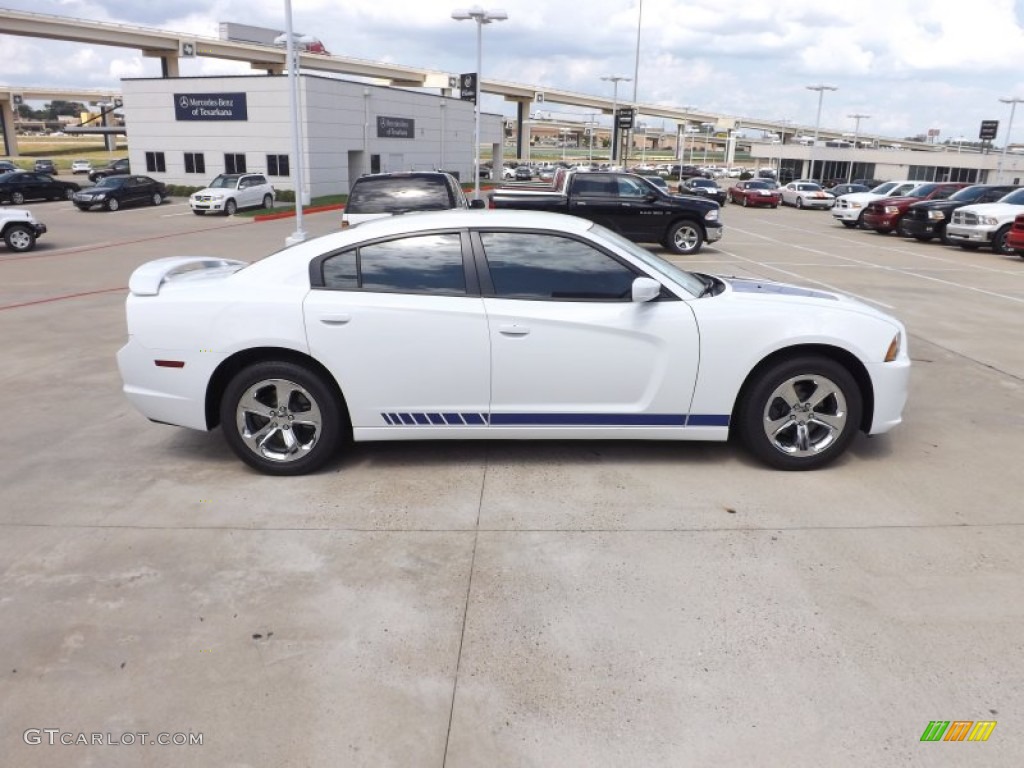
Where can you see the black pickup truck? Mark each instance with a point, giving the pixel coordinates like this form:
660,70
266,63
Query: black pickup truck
629,205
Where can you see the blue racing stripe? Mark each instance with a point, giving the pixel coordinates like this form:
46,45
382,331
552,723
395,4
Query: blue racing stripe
708,420
590,419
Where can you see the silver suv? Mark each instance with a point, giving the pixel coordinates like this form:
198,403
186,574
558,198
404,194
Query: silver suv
231,191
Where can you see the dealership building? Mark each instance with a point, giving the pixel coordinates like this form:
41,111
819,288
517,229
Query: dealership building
187,130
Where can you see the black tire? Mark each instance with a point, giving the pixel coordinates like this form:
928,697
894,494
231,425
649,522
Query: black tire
969,246
113,204
848,224
746,202
999,242
268,201
806,378
800,203
69,193
684,237
157,199
20,238
263,384
230,207
82,207
922,238
883,231
774,206
17,198
860,221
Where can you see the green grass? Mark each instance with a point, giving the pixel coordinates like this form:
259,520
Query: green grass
62,150
290,207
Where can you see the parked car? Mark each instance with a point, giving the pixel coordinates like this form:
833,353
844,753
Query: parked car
387,194
6,166
116,192
884,215
928,219
504,325
754,192
698,185
1015,237
987,224
524,173
18,186
113,168
629,205
849,209
19,229
230,191
847,189
45,166
689,172
80,166
659,181
805,194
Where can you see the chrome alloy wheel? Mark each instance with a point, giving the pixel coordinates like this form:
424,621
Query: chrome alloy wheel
805,415
278,420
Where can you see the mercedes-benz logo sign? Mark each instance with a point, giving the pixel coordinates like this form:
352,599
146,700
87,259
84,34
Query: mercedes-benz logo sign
183,102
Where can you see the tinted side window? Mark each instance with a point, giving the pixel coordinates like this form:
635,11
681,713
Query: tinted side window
632,188
422,264
392,195
537,266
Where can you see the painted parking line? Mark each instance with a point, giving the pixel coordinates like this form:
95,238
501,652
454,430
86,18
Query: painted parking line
64,297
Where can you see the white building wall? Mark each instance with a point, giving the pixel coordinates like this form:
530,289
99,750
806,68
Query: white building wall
340,117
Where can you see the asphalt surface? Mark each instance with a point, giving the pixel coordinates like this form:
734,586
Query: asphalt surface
509,604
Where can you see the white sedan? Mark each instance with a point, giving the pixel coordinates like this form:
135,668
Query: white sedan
805,194
501,324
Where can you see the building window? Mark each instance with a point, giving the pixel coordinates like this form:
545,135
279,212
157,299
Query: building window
155,162
195,162
277,165
234,163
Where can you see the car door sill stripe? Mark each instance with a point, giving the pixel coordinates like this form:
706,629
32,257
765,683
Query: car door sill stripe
433,419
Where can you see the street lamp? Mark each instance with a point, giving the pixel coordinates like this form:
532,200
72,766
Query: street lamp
817,123
299,235
565,138
1013,102
481,17
615,80
856,131
707,140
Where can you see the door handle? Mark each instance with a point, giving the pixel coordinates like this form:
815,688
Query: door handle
511,329
335,319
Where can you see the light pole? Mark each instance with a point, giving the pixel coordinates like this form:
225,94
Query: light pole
1013,102
481,17
299,235
856,132
565,137
817,123
615,80
707,140
636,76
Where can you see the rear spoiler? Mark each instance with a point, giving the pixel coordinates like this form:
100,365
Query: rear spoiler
147,279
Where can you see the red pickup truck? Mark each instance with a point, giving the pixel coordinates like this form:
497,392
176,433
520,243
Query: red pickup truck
884,215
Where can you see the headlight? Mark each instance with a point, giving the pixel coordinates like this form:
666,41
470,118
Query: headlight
891,209
99,196
990,221
936,215
711,215
856,205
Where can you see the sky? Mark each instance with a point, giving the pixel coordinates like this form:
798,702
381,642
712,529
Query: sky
912,65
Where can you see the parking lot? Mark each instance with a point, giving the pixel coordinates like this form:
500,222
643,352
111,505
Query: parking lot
510,604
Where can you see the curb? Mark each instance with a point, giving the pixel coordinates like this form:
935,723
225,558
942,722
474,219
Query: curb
291,214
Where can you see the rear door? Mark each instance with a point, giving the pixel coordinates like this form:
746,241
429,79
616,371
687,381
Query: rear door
595,197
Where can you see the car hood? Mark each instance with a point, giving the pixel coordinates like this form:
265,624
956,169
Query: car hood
861,197
992,209
768,291
213,191
898,199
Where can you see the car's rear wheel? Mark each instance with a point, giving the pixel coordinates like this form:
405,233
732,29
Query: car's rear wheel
20,238
684,237
281,418
17,198
157,198
268,201
999,244
800,413
113,204
230,207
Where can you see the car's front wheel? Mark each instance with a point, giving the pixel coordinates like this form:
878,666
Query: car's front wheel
230,207
17,198
800,203
113,204
684,237
281,418
800,413
20,238
746,203
999,244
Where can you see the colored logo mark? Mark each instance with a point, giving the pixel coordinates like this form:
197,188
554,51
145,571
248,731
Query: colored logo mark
958,730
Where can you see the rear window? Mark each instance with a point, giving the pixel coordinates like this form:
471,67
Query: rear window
399,195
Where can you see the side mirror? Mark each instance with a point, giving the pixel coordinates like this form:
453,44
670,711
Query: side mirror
645,289
477,203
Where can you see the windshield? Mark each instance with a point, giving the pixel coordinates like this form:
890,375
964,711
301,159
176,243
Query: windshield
881,189
1014,198
686,280
969,194
225,181
758,185
109,182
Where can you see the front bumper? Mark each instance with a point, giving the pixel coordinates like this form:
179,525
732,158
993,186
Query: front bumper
881,220
959,233
890,382
207,204
714,231
846,214
921,228
39,228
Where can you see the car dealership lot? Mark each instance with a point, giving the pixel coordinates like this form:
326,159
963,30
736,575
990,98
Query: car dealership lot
511,604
